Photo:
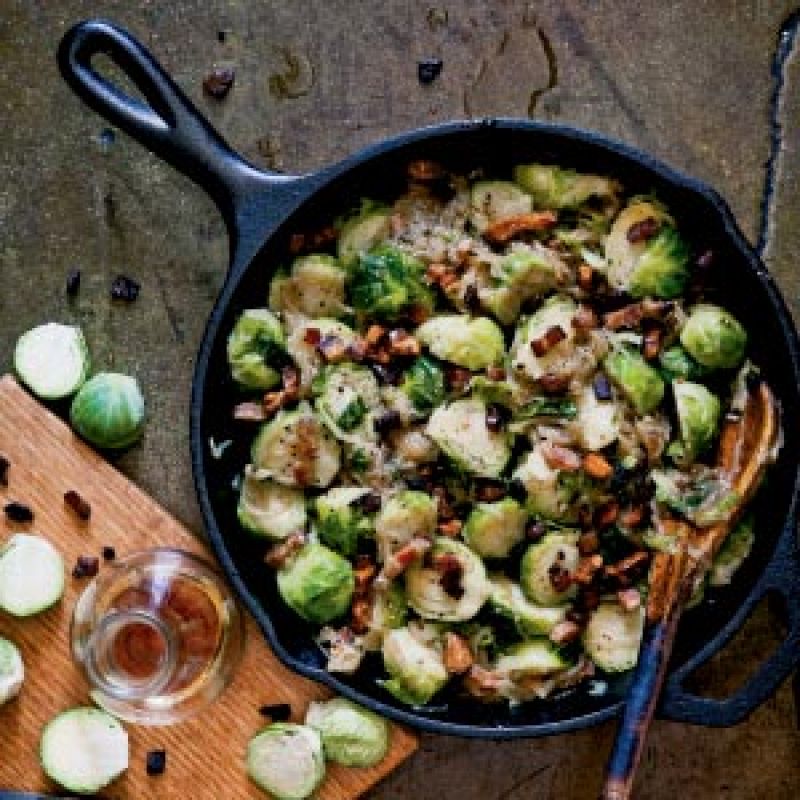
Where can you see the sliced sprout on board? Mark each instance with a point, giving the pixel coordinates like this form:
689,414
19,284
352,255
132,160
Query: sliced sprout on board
52,360
12,670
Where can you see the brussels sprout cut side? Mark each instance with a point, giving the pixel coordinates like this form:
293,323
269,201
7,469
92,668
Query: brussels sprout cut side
12,671
108,411
351,735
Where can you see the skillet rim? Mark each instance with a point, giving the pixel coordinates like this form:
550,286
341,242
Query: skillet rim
303,188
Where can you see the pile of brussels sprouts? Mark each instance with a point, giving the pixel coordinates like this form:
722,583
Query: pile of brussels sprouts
479,412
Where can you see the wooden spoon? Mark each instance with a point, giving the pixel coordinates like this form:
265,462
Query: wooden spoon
747,446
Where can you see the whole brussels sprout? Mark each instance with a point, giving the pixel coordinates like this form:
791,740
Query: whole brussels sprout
554,187
108,411
363,231
269,510
423,383
286,760
638,381
416,670
406,516
386,281
714,337
351,735
675,363
471,342
314,287
341,520
256,347
698,418
317,584
492,529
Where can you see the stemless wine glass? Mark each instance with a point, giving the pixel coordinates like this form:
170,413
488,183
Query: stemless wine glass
158,635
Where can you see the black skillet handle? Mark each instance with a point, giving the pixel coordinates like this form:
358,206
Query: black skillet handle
168,124
782,576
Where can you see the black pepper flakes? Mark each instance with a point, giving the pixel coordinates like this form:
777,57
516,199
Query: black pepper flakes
108,553
125,288
86,567
18,512
156,762
78,504
73,282
429,69
219,82
277,712
5,464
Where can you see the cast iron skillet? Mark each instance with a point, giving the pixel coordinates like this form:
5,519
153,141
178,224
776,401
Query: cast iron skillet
261,211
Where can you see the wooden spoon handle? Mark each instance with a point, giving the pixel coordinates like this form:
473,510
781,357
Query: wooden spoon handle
640,706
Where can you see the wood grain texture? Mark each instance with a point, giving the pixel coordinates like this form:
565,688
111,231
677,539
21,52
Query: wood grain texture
205,754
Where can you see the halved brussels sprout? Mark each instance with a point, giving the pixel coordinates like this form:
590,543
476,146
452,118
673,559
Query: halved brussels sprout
613,636
508,600
296,449
597,424
363,231
108,411
406,516
423,383
536,658
703,495
460,431
351,735
317,584
698,418
314,287
255,347
428,595
638,381
492,529
547,494
495,200
386,281
556,312
347,399
734,551
471,342
416,670
389,611
270,510
714,337
556,551
554,187
341,521
300,342
675,362
656,266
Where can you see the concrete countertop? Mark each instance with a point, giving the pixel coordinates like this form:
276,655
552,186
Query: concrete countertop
689,81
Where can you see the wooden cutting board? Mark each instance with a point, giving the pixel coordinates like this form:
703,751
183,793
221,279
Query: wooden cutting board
205,754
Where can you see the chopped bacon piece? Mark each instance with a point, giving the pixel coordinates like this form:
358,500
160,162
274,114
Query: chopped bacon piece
364,572
360,614
585,277
457,656
588,543
451,528
400,561
312,336
565,632
548,340
558,457
597,467
402,343
249,412
651,345
643,230
607,514
495,373
505,230
630,599
631,517
624,570
277,555
631,316
553,383
374,335
587,568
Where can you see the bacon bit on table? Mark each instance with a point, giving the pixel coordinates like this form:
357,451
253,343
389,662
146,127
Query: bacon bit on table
643,230
402,343
559,457
18,512
451,528
5,464
277,555
276,712
78,504
553,383
565,632
597,466
505,230
587,568
125,288
457,655
108,553
219,82
548,340
86,567
156,762
630,599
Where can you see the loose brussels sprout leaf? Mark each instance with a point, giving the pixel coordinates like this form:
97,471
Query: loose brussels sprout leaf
108,411
557,407
537,658
735,549
364,231
406,516
296,449
556,312
317,584
613,636
698,418
554,187
340,521
460,431
656,267
347,399
286,760
256,348
417,670
495,200
556,550
492,529
547,494
430,595
471,342
351,735
386,281
423,383
314,287
638,381
714,337
531,620
676,363
597,423
269,510
704,496
300,345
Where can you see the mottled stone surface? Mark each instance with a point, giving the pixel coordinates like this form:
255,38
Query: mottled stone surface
315,80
